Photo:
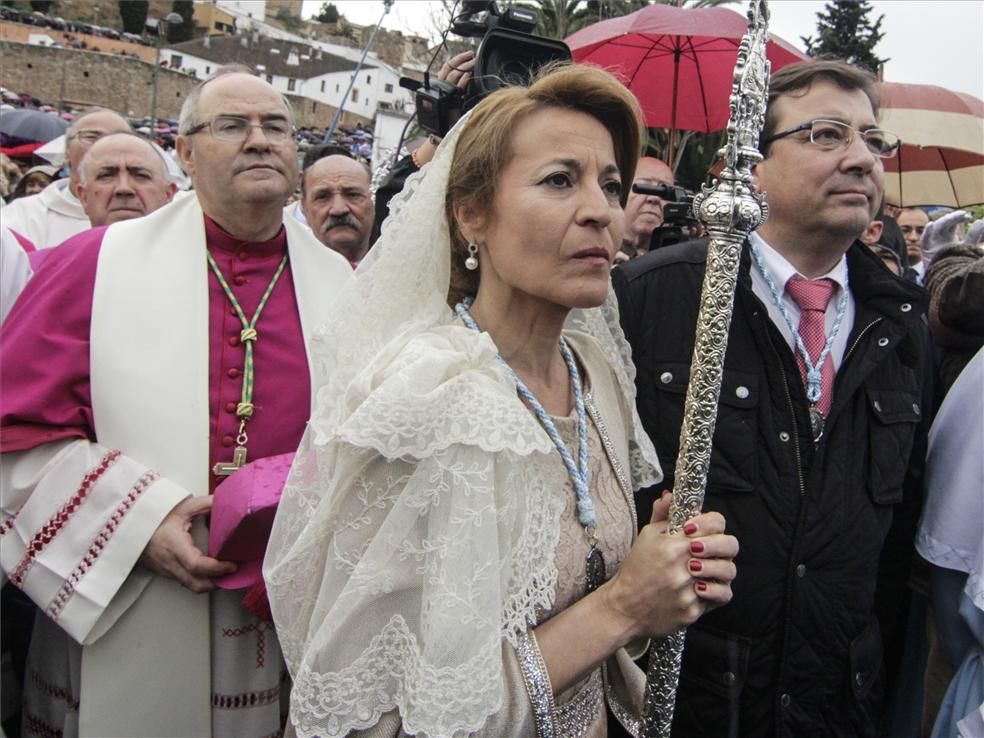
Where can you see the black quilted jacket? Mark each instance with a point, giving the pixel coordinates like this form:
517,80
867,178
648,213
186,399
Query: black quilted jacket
826,531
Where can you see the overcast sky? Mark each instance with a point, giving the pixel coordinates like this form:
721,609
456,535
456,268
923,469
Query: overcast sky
926,41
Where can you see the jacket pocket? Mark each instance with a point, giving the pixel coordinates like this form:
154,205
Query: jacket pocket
715,665
734,463
895,417
865,680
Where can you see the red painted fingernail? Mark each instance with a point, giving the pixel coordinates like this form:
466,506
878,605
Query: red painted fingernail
690,528
701,586
696,547
695,565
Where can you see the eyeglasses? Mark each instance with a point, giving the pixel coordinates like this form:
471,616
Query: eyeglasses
831,135
88,136
234,129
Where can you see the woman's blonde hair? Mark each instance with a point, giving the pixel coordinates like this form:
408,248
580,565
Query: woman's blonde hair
485,146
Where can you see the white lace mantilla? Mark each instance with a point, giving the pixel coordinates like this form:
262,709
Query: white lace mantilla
418,526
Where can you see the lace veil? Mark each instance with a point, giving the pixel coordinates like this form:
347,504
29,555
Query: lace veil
418,525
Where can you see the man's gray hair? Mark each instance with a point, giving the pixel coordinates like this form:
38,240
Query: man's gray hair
160,155
75,124
188,117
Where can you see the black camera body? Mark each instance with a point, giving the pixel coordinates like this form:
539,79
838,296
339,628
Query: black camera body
508,54
678,213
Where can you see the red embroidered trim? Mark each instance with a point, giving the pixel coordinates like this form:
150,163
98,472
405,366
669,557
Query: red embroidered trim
53,690
37,726
99,543
260,628
7,524
246,699
58,521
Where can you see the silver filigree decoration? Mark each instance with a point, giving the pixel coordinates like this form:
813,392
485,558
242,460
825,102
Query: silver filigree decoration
729,210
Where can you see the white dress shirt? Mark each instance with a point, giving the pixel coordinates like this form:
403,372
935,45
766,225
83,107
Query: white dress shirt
781,270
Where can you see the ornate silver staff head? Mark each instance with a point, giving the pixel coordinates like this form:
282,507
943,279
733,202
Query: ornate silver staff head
729,209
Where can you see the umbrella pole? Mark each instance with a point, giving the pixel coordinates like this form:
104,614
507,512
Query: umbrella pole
673,109
729,210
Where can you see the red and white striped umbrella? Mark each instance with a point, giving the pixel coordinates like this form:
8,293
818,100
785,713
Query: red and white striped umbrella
941,161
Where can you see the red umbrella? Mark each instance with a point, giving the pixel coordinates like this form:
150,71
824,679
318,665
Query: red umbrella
23,151
679,62
941,161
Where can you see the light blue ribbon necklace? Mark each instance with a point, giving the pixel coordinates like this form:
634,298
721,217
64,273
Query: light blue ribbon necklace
814,387
578,471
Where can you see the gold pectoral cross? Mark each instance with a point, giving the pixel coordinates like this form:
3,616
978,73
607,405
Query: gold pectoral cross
225,468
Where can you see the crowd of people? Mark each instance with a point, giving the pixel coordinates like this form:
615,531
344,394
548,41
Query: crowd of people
286,454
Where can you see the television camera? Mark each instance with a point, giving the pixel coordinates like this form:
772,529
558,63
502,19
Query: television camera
678,215
508,54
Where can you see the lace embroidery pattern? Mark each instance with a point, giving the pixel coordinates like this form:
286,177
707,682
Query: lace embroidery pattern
246,699
37,726
418,526
54,691
260,629
57,522
56,606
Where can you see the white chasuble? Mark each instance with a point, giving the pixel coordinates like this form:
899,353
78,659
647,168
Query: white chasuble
149,382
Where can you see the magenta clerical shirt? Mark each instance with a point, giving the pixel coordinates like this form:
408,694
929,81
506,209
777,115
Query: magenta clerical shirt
44,343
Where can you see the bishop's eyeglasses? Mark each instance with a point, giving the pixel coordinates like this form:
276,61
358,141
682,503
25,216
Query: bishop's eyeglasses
234,129
831,135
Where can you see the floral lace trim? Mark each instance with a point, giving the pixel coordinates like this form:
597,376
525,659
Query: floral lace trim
334,704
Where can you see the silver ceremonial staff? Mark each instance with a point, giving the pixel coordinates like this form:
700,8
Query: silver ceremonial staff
729,210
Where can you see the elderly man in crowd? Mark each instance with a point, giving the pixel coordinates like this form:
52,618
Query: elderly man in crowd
146,365
821,426
123,177
48,218
336,203
644,213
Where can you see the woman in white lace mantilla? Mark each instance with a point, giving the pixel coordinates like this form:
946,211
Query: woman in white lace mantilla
455,550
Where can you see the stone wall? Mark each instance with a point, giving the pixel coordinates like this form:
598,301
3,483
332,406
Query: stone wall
120,83
86,78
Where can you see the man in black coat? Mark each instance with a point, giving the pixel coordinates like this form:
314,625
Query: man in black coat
822,490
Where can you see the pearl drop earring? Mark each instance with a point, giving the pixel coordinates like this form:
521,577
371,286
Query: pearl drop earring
471,263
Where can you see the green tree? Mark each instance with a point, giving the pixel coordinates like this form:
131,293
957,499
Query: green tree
844,31
291,22
42,6
134,15
185,31
327,14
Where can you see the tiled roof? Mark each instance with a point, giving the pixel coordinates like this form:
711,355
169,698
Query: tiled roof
243,50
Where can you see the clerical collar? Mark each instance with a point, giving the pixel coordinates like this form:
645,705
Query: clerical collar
781,270
218,238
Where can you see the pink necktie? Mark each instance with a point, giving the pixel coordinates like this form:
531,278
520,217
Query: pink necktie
812,297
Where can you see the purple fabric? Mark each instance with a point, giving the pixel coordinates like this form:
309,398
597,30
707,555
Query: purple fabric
242,517
45,346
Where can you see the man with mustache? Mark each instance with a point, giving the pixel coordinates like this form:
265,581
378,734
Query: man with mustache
336,203
821,426
147,365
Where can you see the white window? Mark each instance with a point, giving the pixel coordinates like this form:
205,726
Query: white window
388,88
291,83
322,85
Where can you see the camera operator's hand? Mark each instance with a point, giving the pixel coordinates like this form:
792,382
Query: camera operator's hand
457,71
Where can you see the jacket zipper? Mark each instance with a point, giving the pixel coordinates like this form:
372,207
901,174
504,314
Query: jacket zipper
857,340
